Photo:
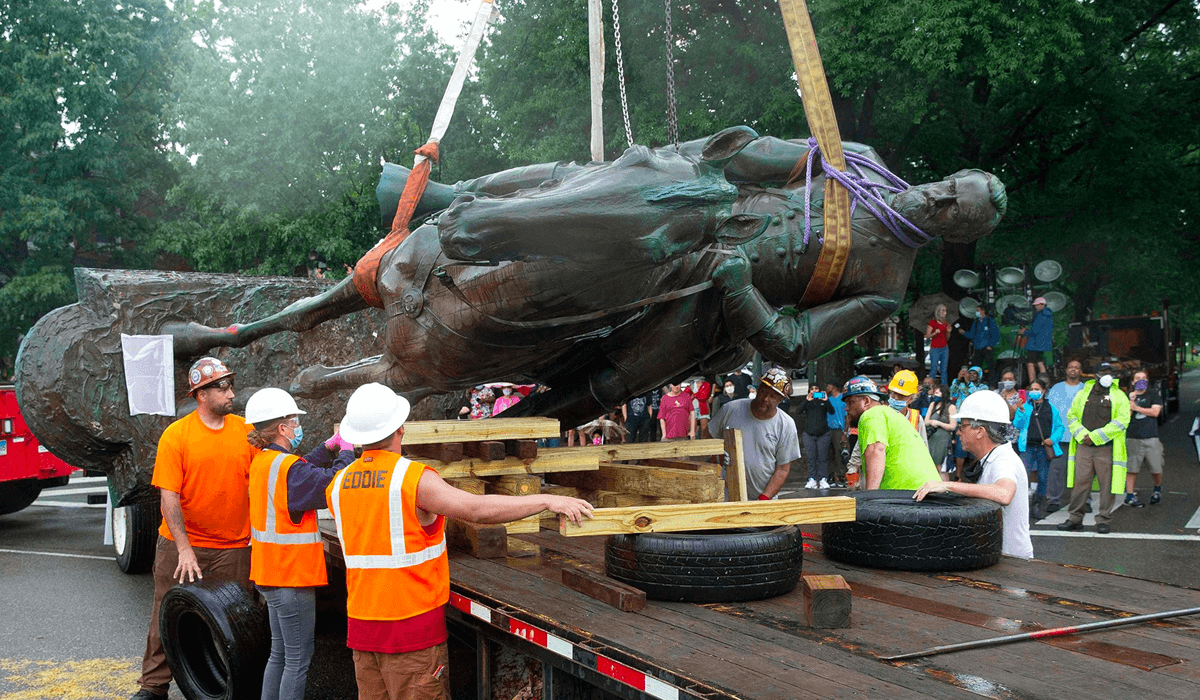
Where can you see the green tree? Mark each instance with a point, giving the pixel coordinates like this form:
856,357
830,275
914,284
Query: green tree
82,158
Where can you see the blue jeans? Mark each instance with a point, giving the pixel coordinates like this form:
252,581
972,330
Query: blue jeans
939,361
293,615
1035,460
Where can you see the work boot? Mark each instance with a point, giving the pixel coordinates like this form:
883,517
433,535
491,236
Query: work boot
1069,526
1131,501
1053,508
1103,528
1156,496
144,694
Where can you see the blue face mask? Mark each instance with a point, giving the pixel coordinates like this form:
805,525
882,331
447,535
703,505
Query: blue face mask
1035,396
898,404
299,435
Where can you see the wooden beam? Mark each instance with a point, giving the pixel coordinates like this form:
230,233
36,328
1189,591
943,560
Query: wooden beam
558,459
682,464
469,484
648,450
827,601
525,526
735,474
514,485
711,516
441,451
521,449
429,431
479,540
604,589
682,484
487,450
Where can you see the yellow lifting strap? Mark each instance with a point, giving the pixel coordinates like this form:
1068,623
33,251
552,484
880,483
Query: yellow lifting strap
818,109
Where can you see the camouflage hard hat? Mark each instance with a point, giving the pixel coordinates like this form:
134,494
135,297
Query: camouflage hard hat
862,386
778,380
205,371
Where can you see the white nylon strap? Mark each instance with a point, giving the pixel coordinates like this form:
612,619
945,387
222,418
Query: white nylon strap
271,534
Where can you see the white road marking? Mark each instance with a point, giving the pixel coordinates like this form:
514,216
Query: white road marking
1113,535
1060,516
66,504
55,554
1194,522
63,491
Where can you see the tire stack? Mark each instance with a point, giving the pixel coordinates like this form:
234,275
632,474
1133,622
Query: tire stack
708,567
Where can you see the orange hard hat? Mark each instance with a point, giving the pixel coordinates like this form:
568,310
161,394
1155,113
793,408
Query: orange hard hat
205,371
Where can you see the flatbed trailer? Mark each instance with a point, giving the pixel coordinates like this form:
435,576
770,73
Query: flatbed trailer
514,625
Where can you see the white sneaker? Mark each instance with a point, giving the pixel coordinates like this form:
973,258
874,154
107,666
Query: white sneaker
824,484
811,484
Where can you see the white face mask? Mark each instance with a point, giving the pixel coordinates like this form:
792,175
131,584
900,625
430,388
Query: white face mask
753,393
729,390
506,392
1106,381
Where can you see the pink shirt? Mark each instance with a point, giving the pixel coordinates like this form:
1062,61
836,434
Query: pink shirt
675,412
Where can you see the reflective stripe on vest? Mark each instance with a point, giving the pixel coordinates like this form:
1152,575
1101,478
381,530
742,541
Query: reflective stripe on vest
271,534
399,558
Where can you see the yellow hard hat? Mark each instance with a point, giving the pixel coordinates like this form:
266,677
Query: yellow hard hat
904,382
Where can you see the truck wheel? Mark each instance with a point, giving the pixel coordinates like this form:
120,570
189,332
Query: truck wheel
944,532
135,536
708,567
18,495
216,638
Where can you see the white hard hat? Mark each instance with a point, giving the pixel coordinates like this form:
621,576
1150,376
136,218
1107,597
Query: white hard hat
269,404
987,406
373,413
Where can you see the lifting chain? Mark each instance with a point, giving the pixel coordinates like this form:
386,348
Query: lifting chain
672,120
621,72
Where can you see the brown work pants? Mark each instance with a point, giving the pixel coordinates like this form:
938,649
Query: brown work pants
837,468
1092,462
215,564
412,675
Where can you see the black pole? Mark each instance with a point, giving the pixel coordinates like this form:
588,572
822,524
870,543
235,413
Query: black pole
1056,632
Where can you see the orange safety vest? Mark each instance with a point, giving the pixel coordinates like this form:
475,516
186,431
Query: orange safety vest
914,417
282,553
395,568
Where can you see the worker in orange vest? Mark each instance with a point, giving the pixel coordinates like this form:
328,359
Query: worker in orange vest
287,561
390,516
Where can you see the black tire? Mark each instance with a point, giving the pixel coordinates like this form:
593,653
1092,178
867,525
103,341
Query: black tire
708,567
18,495
944,532
135,536
217,639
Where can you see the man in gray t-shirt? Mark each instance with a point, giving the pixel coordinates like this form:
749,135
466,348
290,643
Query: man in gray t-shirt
769,436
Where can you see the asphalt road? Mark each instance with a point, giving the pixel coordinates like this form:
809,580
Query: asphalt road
75,625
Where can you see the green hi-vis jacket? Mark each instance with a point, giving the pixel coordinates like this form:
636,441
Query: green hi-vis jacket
1113,431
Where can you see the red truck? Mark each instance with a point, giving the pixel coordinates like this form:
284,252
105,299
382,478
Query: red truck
25,466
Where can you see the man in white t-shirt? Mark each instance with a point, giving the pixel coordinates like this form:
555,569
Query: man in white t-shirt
769,438
983,422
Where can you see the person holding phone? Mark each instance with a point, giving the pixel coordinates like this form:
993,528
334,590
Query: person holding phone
816,439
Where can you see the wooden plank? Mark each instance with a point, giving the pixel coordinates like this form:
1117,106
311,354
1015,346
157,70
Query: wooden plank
556,490
735,475
469,484
682,484
521,449
558,459
604,589
682,464
479,540
711,516
430,431
651,450
521,549
524,526
487,450
612,499
827,601
514,485
441,451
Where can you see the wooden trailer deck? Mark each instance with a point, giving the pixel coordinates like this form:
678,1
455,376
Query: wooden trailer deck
765,649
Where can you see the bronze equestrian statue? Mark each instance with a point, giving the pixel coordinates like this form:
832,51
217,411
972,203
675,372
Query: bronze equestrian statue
604,281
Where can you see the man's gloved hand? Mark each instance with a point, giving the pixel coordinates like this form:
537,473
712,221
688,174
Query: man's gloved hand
732,275
337,444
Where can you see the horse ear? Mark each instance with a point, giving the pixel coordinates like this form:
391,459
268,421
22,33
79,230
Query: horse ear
740,228
726,144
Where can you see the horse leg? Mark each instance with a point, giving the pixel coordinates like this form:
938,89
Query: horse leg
191,339
318,381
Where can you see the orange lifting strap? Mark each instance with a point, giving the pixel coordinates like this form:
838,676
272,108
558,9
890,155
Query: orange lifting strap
818,109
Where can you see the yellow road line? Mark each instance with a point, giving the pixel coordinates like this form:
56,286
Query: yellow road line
73,679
